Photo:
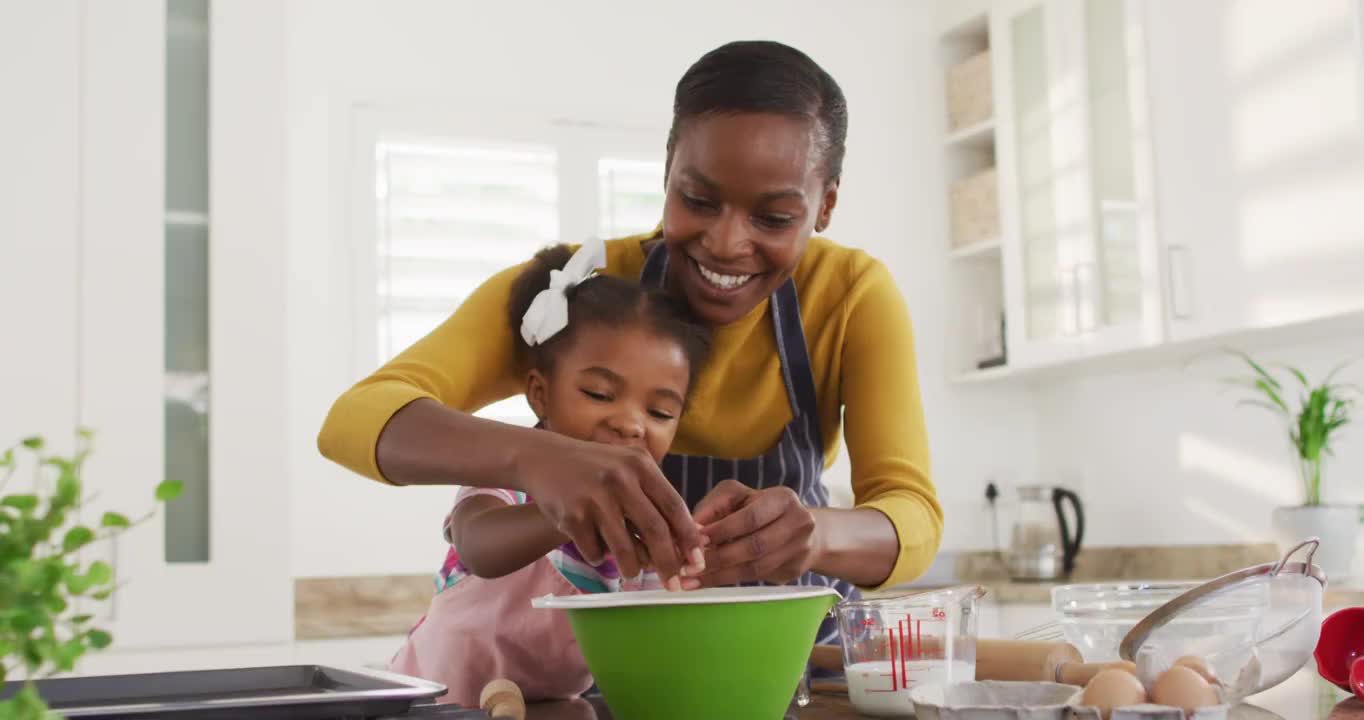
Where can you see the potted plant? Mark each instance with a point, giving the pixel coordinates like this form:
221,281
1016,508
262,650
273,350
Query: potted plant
48,588
1314,418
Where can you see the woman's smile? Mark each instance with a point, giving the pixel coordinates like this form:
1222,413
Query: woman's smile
719,280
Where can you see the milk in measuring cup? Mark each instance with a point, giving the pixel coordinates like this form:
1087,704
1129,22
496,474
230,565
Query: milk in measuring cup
873,691
891,645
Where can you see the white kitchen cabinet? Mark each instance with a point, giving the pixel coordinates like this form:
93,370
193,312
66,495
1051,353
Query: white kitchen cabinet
1081,276
1169,172
40,72
85,251
1259,146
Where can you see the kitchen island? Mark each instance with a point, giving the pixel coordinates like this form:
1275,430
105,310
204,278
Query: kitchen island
1304,696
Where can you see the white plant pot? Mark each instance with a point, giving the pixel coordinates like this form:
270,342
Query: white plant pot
1336,525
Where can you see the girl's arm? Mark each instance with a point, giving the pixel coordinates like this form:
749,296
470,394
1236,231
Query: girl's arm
495,539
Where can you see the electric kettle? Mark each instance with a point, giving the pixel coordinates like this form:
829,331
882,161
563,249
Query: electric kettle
1041,545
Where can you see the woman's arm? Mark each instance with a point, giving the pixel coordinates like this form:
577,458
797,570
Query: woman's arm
410,423
378,430
857,545
495,539
885,432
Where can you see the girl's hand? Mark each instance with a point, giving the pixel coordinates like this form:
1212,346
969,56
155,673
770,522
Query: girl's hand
756,535
612,498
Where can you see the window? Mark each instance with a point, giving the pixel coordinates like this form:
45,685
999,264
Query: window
450,212
631,192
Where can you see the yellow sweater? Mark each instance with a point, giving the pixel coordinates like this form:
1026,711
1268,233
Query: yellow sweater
861,348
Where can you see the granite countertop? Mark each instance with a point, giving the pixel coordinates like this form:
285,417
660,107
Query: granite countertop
1116,564
372,606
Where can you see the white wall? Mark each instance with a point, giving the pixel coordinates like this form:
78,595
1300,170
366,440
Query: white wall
1165,455
614,62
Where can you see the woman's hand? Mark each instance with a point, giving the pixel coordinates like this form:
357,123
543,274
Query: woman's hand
756,535
612,498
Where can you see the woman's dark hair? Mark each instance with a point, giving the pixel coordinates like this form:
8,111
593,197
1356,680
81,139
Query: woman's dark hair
760,76
602,300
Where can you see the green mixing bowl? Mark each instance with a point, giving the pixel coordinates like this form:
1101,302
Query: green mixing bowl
715,653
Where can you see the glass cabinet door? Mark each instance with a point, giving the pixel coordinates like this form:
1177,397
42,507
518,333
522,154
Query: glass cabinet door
1071,164
1117,207
1046,292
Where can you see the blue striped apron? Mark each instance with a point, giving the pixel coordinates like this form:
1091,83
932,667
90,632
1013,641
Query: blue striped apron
796,461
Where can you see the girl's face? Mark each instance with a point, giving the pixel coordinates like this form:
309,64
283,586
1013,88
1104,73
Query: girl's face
621,386
744,194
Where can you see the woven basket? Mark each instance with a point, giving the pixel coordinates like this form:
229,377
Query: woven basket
970,93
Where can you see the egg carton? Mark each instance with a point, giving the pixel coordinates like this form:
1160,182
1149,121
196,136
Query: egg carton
999,700
993,700
1152,712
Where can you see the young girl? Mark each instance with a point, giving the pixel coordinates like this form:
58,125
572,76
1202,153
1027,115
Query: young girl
607,361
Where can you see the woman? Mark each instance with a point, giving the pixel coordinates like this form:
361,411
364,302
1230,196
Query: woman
807,335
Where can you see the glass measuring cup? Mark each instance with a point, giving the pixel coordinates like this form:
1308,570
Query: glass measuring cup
891,645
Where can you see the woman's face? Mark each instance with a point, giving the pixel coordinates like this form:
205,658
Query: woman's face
744,194
620,386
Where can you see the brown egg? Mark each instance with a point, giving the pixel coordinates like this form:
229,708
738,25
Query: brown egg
1184,688
1125,665
1113,688
1200,666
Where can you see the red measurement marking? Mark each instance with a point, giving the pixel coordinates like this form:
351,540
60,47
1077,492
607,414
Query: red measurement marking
868,622
891,633
938,614
906,641
904,666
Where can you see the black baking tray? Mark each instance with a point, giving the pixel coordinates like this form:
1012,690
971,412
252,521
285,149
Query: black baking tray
290,692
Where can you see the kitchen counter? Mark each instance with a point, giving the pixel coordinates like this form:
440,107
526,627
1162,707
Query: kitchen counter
386,606
1304,696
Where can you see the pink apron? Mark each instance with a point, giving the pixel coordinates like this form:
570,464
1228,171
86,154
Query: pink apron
479,630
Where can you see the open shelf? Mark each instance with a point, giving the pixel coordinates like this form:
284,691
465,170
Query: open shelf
986,375
980,136
976,250
965,36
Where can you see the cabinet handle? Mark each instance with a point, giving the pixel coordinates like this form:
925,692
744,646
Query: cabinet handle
1177,266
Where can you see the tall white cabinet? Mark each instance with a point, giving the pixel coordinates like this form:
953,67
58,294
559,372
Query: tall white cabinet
84,232
1260,161
1165,172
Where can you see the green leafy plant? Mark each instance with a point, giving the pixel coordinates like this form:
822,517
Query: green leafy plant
1319,412
44,578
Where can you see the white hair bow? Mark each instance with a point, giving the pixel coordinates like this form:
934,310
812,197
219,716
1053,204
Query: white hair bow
548,312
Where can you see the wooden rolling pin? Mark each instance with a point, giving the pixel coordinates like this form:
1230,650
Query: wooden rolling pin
502,700
1007,660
